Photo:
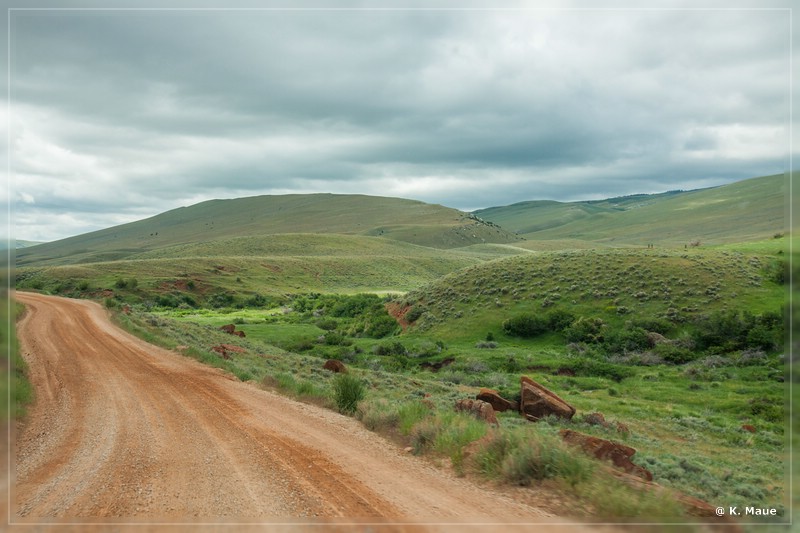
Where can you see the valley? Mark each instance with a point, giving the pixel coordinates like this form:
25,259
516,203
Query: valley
665,314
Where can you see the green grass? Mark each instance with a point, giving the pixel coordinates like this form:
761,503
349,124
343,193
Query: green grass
391,218
747,210
16,392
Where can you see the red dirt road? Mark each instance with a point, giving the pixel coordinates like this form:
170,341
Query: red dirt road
124,429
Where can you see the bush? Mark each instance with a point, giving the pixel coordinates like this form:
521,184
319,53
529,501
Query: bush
673,354
379,326
626,339
589,330
348,390
522,458
559,319
328,324
525,325
413,314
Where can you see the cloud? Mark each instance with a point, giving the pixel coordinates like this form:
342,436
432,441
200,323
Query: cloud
130,113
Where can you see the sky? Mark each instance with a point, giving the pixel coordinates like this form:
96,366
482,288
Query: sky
118,115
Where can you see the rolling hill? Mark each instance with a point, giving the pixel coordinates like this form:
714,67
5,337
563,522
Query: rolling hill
392,218
747,210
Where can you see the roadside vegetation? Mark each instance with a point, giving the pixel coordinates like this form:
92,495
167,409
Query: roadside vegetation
15,389
684,349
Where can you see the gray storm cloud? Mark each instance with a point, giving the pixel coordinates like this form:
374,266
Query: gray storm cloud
117,115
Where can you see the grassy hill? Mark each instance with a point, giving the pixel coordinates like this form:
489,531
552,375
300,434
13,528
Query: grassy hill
270,265
614,284
752,209
392,218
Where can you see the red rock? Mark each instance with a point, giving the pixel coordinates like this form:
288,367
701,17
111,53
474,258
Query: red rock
537,402
748,427
479,409
228,328
335,366
596,419
497,402
239,333
220,349
607,450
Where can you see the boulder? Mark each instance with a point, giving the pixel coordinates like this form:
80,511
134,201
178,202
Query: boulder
537,402
228,328
335,366
239,333
497,402
479,409
596,419
619,454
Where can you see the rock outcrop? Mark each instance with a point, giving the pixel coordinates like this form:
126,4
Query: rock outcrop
537,402
479,409
335,366
497,402
619,454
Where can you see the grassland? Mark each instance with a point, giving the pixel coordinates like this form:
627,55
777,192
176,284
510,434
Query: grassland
753,209
682,344
392,218
685,418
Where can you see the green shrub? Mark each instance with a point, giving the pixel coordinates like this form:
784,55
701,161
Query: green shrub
348,390
121,283
559,319
589,330
413,314
626,339
528,456
328,324
379,326
525,325
675,355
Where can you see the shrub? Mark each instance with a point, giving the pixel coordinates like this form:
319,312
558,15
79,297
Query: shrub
377,415
395,348
348,390
334,338
673,354
121,283
559,319
525,325
328,324
589,330
626,339
379,326
413,314
522,458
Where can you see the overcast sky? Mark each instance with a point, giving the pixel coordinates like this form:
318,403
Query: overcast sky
119,115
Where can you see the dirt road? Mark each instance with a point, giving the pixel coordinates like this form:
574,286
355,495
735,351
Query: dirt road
121,428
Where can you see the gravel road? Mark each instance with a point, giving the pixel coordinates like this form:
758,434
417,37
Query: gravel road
129,432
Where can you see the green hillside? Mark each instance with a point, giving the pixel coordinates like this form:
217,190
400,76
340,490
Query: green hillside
748,210
270,265
404,220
